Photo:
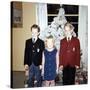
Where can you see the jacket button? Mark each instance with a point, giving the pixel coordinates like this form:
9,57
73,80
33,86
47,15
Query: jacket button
33,51
33,45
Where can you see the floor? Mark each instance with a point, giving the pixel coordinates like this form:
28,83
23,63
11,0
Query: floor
18,79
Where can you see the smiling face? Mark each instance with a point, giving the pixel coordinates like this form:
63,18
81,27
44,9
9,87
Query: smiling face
50,43
35,32
68,29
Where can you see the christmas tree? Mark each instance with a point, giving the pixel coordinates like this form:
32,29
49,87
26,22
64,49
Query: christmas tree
56,28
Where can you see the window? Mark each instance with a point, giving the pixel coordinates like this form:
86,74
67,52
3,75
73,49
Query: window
71,14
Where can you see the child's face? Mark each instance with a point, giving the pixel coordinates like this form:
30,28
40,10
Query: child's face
35,32
50,43
68,31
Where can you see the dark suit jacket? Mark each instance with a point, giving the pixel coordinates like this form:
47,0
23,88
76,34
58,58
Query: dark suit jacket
70,52
33,52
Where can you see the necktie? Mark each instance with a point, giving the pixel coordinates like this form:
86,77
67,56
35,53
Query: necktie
68,39
33,40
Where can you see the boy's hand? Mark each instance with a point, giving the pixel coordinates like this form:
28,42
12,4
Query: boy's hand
26,70
26,67
61,67
27,73
77,67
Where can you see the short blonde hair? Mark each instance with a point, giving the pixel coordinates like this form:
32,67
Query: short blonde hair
69,25
49,37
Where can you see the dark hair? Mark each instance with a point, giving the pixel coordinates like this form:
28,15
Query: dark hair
35,26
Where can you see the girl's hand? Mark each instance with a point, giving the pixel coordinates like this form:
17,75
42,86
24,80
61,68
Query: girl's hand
42,73
57,71
40,67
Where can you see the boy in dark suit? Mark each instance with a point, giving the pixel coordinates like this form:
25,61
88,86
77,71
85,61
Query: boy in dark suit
69,55
33,56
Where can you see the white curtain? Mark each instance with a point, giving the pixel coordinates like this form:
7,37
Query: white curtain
83,33
41,17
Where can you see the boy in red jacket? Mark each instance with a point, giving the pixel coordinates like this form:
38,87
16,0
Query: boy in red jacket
69,55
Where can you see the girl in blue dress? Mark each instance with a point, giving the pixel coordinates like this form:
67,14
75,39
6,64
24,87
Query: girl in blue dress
50,62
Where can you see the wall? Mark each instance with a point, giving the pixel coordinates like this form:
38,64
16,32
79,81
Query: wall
19,35
83,33
29,18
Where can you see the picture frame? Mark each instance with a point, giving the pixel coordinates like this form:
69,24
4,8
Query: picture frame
16,11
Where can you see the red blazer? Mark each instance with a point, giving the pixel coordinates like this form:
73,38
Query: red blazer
70,52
